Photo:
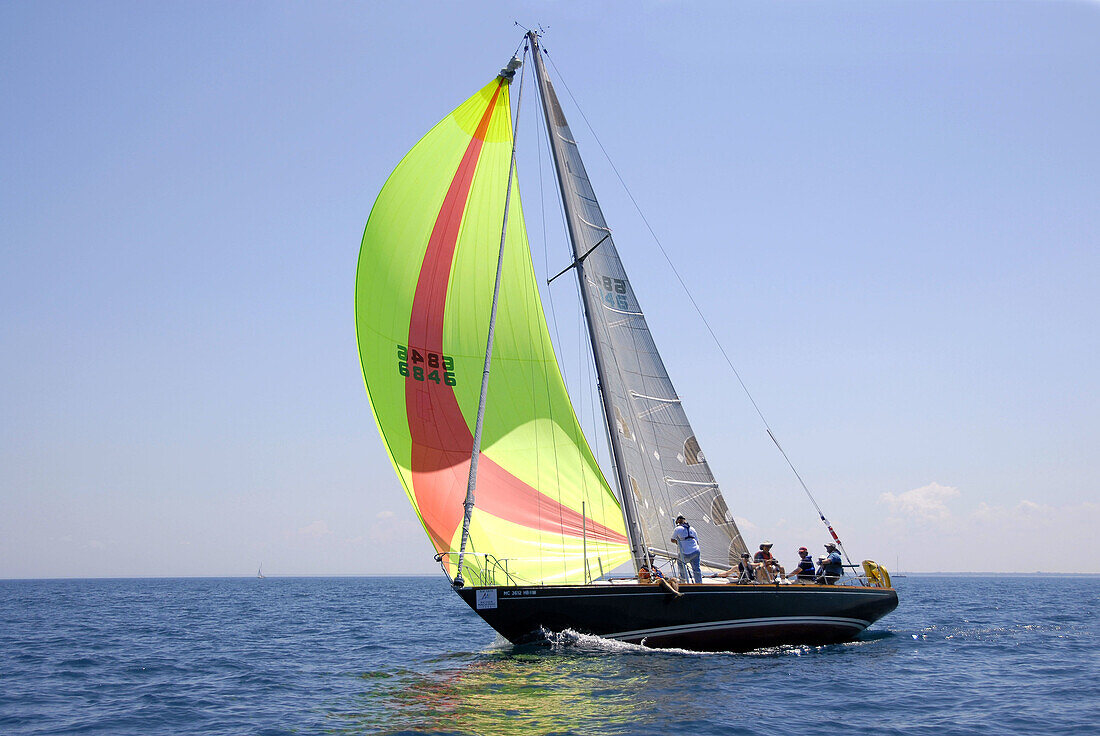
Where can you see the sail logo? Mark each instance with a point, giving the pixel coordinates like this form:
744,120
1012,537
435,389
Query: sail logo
424,365
486,598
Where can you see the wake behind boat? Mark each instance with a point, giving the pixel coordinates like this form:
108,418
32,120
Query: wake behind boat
523,520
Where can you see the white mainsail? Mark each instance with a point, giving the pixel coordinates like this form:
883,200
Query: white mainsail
661,469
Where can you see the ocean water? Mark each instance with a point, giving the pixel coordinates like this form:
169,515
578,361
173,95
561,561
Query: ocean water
961,655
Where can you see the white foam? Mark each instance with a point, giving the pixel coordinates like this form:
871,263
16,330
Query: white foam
570,639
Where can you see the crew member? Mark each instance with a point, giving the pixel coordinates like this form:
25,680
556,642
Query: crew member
688,540
804,573
649,573
745,572
765,560
832,566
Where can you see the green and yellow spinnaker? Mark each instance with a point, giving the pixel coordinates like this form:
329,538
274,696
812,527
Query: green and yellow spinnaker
423,295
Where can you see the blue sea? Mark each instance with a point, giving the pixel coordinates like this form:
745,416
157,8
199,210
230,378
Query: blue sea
961,655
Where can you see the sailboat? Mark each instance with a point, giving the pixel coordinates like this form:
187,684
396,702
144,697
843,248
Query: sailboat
473,410
260,571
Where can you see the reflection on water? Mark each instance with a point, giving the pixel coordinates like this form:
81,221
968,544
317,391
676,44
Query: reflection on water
565,688
572,684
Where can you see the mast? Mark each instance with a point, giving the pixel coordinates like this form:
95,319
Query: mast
637,542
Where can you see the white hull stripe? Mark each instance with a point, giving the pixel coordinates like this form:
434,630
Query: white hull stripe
855,623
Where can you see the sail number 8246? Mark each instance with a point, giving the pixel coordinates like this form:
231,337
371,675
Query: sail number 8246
424,365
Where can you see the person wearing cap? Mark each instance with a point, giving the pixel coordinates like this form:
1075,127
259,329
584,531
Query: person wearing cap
804,572
688,540
832,566
765,561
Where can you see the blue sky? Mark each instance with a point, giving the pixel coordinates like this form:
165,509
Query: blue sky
887,211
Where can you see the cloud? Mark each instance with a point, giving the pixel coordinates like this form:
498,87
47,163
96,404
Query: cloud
1038,516
384,515
927,503
1023,512
316,530
925,534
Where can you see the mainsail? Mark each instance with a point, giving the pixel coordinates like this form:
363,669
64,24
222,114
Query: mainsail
661,468
422,299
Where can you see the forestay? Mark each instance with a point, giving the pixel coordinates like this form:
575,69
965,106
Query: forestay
661,468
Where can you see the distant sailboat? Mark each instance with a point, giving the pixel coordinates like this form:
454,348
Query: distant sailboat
500,473
260,572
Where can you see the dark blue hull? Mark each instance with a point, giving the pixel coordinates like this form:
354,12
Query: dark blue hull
703,617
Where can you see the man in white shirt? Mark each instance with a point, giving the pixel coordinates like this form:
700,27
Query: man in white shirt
688,540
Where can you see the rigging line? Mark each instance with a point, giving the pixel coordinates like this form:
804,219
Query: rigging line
545,255
593,392
592,398
658,492
617,463
577,417
522,42
475,451
530,299
698,311
661,492
588,350
550,295
583,340
574,419
555,366
626,409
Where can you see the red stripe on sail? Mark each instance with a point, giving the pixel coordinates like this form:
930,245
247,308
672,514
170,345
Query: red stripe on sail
441,440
